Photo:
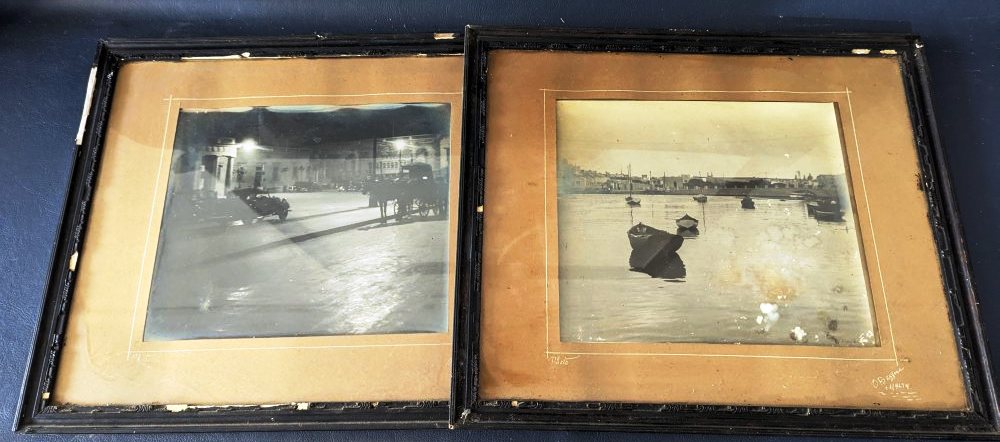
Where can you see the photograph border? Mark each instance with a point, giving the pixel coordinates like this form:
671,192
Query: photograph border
468,410
877,307
35,413
175,107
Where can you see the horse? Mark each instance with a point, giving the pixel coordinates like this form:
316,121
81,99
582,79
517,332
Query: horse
382,192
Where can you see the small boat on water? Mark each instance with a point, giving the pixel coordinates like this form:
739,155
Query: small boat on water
701,198
747,203
687,222
825,210
631,202
650,245
835,215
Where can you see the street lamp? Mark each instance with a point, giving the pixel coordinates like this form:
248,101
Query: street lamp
399,144
246,150
249,145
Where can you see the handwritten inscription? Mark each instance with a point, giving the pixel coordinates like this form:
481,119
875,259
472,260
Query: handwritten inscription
888,382
892,385
560,359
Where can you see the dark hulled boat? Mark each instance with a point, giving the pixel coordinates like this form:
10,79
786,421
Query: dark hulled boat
747,203
650,245
835,215
825,210
701,198
687,222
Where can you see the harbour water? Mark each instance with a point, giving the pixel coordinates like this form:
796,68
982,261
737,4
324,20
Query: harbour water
770,275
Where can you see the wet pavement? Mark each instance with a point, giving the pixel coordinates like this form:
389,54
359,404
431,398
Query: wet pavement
331,268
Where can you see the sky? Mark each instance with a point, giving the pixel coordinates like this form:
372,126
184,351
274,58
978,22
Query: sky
724,138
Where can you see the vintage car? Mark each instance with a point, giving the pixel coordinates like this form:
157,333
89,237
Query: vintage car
246,204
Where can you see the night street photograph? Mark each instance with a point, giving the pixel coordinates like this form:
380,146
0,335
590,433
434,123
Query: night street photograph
304,221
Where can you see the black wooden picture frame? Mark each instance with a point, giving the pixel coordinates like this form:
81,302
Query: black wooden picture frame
470,411
36,414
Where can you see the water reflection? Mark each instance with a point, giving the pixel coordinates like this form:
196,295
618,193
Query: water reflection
691,233
667,266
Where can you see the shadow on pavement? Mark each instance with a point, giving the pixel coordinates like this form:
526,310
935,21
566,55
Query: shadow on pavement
360,225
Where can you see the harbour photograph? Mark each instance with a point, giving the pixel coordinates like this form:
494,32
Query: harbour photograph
304,220
718,222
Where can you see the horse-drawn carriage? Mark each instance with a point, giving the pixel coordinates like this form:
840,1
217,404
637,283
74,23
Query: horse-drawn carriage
415,191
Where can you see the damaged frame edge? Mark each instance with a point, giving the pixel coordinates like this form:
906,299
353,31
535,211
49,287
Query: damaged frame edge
981,376
87,100
34,411
241,56
51,323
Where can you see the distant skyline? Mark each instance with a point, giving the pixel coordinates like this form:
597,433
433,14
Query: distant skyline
723,138
636,173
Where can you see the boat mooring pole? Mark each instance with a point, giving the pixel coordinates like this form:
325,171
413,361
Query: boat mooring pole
703,218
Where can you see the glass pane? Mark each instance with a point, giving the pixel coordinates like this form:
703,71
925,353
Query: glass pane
304,220
718,222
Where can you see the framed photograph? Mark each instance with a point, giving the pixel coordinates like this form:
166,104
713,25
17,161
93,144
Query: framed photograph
260,234
711,233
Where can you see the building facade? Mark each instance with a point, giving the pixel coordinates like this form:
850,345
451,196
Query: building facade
228,165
